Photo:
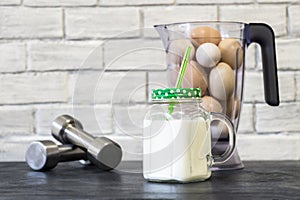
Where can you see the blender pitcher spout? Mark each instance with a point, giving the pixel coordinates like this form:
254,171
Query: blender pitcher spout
163,33
169,32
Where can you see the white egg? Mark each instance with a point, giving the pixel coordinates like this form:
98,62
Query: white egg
208,55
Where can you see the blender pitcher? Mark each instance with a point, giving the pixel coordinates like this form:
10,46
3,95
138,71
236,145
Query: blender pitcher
216,65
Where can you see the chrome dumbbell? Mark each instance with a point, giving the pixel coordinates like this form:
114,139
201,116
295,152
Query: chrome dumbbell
45,155
101,151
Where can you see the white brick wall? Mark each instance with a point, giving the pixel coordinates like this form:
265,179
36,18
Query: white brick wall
95,119
33,88
160,15
294,17
16,120
94,22
134,54
63,56
156,80
277,1
250,60
10,2
254,87
257,13
128,120
12,57
287,56
44,43
139,2
109,87
20,22
214,1
59,2
246,124
269,147
278,119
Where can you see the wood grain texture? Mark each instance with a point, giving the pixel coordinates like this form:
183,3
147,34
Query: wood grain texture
259,180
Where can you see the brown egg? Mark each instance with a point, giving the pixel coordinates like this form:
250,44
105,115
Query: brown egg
195,77
203,34
231,52
210,104
231,104
221,82
177,49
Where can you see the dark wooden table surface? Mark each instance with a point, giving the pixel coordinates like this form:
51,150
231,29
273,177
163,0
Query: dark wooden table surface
259,180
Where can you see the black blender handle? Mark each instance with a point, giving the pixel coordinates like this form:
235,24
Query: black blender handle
263,35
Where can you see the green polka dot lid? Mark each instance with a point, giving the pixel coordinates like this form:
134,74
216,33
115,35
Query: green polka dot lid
176,93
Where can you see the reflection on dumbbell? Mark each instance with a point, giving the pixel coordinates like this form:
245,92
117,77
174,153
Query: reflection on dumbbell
45,155
101,151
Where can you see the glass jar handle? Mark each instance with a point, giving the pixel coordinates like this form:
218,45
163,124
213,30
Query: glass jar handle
231,145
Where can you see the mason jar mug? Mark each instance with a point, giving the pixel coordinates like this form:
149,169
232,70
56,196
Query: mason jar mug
177,138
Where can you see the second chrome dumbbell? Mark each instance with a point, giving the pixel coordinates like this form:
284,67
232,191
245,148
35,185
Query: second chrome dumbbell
101,151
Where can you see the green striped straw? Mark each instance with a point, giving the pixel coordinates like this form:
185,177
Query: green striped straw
184,62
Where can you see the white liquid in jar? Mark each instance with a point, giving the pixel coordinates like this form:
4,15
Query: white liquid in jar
176,150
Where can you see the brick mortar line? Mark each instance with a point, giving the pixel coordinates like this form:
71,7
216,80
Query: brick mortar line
288,21
64,103
256,56
263,102
59,6
36,72
242,134
27,57
138,5
142,22
254,117
149,5
34,121
278,3
67,103
64,23
11,5
80,39
69,89
77,70
297,89
57,105
214,4
284,37
147,88
218,13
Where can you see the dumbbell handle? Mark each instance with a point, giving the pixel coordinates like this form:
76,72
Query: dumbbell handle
78,137
71,153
